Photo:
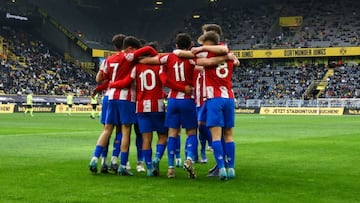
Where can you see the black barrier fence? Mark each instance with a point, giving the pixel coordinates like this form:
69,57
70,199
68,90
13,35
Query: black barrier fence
36,108
247,110
351,111
43,100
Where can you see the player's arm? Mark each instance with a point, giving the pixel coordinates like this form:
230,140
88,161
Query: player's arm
217,49
143,51
183,53
214,60
236,61
101,75
174,85
100,87
154,60
120,84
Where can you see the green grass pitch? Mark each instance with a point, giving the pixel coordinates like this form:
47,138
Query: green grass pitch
278,159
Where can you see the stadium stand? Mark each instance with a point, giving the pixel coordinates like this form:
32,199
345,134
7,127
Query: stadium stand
344,83
279,82
34,67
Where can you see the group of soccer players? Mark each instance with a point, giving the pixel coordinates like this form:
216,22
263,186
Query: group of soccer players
200,97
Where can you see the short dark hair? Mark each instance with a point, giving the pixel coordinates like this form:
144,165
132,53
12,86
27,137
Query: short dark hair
183,41
143,42
210,36
212,27
118,41
131,41
153,44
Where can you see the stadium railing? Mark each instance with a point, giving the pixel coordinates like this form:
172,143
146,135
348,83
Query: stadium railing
353,103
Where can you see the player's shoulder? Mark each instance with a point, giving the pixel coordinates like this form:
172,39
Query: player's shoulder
114,56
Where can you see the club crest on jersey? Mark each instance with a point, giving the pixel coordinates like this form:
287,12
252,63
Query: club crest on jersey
129,57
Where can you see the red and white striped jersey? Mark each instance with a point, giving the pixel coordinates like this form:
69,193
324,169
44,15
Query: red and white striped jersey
149,88
118,66
148,80
178,70
218,79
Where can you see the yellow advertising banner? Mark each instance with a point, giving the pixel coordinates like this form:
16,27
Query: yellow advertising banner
7,108
62,108
290,21
300,111
101,53
298,52
274,53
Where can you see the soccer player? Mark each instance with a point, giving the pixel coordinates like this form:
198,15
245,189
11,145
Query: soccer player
94,103
121,106
29,104
219,102
181,109
69,102
204,132
200,92
103,86
150,110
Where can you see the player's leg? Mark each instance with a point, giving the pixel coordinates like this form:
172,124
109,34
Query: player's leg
144,127
161,145
189,122
124,149
26,109
31,110
172,122
128,117
203,134
209,141
100,146
171,145
147,151
229,123
218,151
92,114
160,149
104,165
69,109
116,150
157,122
215,121
96,113
230,151
191,149
139,145
116,144
178,150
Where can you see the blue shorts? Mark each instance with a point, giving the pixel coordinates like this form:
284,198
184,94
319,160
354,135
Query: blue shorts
151,121
181,113
201,113
220,112
104,106
120,112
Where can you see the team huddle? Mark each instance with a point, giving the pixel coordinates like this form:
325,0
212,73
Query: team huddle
199,99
